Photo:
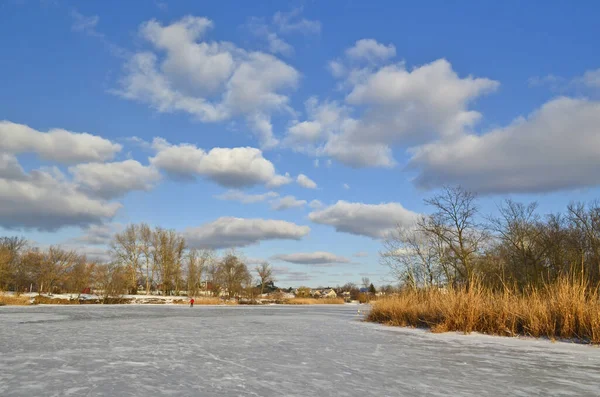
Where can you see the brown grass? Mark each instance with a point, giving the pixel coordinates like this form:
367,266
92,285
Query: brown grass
313,301
566,309
13,300
206,301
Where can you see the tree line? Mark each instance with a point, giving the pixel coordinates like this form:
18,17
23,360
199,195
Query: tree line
457,243
152,260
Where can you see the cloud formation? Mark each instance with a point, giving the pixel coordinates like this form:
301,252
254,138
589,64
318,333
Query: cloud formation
311,258
213,81
556,147
306,182
113,180
229,167
371,220
287,202
228,232
57,144
45,200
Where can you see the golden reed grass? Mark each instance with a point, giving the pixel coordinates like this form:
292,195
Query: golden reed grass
14,300
313,301
565,309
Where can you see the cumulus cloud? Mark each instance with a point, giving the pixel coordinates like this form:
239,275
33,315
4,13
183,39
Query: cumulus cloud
556,147
213,81
293,22
371,220
229,167
371,51
311,258
44,200
306,182
315,204
57,145
244,198
287,202
387,106
10,167
228,232
112,180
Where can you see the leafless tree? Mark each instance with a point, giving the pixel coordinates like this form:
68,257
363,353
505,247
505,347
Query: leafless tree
454,222
127,250
234,275
265,274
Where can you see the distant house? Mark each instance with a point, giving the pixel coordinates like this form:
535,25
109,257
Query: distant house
328,293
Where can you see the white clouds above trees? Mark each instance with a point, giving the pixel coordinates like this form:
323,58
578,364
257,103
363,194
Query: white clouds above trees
228,232
371,220
57,144
213,81
557,147
311,258
229,167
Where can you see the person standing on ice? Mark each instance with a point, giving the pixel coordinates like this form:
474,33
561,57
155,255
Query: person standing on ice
192,302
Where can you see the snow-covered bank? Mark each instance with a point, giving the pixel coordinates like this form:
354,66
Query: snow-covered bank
136,350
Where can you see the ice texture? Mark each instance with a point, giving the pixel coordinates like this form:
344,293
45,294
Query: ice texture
151,350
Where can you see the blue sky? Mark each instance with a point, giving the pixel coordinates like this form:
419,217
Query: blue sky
112,112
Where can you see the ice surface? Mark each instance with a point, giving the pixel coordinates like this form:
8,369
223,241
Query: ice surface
132,350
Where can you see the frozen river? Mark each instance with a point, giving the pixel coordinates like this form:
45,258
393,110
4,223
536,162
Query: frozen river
269,351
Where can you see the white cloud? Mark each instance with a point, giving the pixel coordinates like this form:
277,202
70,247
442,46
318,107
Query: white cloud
275,44
316,163
306,182
98,234
386,107
112,180
315,204
230,232
45,200
236,195
346,186
10,167
361,254
57,145
370,51
213,81
81,23
292,22
230,167
371,220
280,180
556,147
591,78
287,202
311,258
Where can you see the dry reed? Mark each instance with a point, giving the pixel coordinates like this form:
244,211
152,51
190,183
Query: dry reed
313,301
14,300
565,309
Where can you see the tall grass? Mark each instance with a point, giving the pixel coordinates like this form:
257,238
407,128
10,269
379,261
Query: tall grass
313,301
14,300
567,308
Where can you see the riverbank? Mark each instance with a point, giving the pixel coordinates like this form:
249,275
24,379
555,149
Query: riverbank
562,310
91,299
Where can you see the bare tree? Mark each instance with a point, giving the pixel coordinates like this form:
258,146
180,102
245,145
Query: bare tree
168,254
146,246
233,275
416,258
265,274
11,249
127,249
454,223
